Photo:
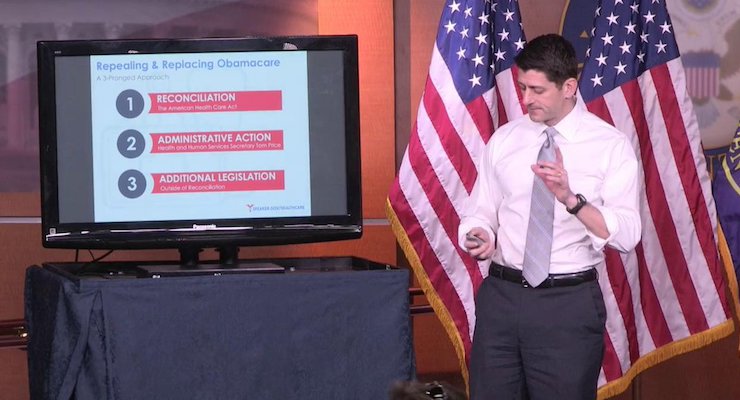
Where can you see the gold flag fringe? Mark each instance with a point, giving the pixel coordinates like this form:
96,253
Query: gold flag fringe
726,257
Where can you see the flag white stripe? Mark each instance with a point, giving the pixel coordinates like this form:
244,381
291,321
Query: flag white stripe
442,166
506,84
442,245
491,99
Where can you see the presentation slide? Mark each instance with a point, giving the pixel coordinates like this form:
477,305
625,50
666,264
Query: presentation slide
180,136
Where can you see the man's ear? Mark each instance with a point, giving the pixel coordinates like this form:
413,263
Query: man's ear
570,86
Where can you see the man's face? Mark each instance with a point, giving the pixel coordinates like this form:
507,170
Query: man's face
545,102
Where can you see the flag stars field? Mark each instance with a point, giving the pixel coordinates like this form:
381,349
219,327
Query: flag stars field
645,36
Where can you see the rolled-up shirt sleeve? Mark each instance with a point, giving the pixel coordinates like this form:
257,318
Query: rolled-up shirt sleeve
620,201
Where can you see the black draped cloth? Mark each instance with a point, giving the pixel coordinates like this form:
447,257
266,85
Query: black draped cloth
343,334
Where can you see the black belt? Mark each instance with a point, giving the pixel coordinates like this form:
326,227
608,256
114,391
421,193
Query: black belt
553,280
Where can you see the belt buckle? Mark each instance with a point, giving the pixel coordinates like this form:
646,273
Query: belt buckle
525,284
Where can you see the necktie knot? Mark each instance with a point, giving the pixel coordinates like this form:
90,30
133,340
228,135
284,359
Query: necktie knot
550,133
547,151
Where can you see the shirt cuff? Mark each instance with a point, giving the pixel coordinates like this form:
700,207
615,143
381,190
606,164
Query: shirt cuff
612,225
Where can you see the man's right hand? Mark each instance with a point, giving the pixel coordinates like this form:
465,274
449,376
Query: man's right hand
478,244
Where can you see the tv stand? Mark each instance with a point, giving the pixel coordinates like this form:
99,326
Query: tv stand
228,256
189,257
228,263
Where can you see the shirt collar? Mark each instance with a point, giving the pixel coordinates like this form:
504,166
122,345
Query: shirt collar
568,126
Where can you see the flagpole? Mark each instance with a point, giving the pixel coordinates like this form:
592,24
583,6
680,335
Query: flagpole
637,387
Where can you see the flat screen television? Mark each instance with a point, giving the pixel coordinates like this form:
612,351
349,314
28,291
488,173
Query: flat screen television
198,143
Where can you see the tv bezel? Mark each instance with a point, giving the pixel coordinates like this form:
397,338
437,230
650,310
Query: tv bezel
196,234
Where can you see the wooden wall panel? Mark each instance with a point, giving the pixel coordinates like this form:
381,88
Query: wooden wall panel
13,374
709,373
422,34
20,205
372,21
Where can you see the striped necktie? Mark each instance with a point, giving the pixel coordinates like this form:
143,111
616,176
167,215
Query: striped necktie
541,213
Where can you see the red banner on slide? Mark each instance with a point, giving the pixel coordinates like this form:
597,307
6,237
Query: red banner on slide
222,181
193,142
192,102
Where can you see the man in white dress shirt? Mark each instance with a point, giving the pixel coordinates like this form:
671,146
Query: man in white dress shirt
545,340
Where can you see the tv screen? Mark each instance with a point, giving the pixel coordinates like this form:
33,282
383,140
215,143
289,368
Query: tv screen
191,143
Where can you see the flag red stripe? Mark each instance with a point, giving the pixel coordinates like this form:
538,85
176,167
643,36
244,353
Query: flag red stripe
478,109
450,138
623,293
669,240
598,106
515,78
678,137
610,364
502,118
651,310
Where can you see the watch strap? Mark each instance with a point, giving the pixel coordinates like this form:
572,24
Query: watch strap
581,202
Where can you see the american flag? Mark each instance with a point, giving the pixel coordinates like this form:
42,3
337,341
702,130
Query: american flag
669,295
470,90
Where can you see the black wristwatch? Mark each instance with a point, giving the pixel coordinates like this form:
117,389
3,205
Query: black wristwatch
581,202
